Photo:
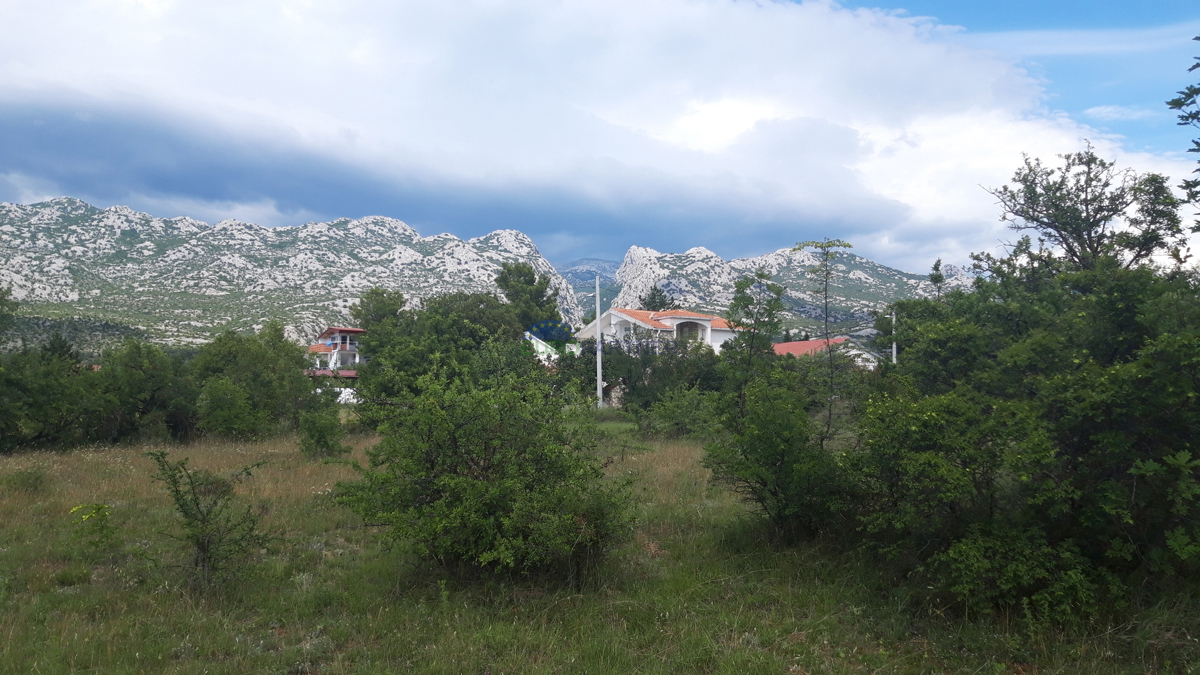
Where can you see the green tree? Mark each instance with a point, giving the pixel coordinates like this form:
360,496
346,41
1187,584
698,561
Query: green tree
8,309
377,306
1187,105
50,400
937,278
769,459
1034,446
657,300
321,434
826,251
496,475
444,335
529,293
152,394
1090,210
225,410
755,312
267,367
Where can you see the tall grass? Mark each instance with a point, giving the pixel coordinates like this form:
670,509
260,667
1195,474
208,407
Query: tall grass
700,589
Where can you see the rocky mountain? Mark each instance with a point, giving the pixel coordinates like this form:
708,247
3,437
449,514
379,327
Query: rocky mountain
700,280
181,281
581,274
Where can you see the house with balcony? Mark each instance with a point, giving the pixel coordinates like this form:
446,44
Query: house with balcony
632,325
336,349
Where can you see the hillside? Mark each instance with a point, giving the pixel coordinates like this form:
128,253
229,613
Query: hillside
699,279
181,281
97,275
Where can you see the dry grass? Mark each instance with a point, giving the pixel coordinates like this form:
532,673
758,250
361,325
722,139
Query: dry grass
699,589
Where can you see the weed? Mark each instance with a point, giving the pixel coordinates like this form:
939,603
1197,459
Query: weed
28,481
218,533
94,529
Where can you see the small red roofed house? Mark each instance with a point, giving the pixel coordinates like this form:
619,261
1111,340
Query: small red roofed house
336,348
805,347
631,324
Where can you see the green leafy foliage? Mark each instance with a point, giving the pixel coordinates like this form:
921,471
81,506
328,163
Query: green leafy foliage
1034,445
528,293
1089,210
770,460
153,397
321,434
685,411
49,400
498,476
656,300
8,308
218,533
95,531
376,308
444,335
253,384
225,410
1187,105
645,374
756,311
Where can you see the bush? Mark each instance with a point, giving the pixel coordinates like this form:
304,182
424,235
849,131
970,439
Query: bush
321,433
95,531
225,410
29,481
498,475
217,533
684,411
771,461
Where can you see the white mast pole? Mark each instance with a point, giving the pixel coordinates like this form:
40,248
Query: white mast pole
893,337
599,366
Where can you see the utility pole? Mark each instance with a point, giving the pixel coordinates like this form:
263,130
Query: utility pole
599,366
893,337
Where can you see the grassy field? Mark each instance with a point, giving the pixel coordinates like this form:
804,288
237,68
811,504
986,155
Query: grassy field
697,590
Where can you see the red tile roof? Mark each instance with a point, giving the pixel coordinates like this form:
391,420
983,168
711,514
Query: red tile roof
804,347
652,318
325,372
340,329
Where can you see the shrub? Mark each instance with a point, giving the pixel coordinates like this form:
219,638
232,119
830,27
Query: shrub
498,475
770,460
225,410
218,533
29,481
95,531
684,411
321,433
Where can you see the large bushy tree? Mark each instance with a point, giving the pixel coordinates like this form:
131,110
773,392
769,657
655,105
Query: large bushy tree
1035,442
1089,211
491,472
265,371
529,293
1187,105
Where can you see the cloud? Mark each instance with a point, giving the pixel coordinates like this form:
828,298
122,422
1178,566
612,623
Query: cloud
1089,42
1121,113
592,125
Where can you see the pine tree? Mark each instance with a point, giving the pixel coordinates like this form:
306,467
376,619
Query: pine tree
657,300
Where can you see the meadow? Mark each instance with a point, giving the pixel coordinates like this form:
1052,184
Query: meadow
699,588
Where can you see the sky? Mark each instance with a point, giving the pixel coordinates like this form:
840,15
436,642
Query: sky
591,125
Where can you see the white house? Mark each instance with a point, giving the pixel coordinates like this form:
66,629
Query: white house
336,348
619,324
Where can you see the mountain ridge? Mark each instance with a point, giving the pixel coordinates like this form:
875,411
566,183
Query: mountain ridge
181,281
